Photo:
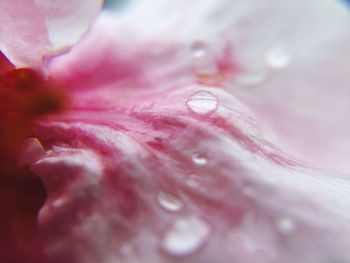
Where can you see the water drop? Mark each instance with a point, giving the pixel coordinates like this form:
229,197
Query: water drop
185,236
278,57
58,202
203,60
169,202
199,49
199,159
194,181
202,102
286,225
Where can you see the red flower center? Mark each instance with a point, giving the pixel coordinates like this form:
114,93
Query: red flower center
25,96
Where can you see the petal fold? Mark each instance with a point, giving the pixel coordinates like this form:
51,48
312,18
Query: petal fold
33,29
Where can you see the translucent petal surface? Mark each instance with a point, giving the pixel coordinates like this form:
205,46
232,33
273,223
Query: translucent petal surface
105,167
31,29
229,107
67,20
291,74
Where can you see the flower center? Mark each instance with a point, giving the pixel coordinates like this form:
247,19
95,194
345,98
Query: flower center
25,96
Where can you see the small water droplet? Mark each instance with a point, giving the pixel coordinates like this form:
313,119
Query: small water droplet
202,102
185,236
198,49
199,159
277,57
203,59
58,202
194,181
169,202
286,225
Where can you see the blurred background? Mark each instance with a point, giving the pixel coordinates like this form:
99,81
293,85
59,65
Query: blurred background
111,4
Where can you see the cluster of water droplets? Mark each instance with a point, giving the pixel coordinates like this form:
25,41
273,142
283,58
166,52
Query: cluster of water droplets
277,56
195,181
274,58
187,233
203,101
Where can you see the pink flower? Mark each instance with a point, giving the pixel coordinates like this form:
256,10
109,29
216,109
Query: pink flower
202,131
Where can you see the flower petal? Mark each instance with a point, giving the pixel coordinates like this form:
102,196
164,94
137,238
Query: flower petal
5,64
146,121
30,30
280,64
23,33
243,200
67,20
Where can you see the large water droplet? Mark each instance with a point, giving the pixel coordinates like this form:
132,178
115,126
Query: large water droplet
185,236
169,202
202,102
278,57
199,159
286,225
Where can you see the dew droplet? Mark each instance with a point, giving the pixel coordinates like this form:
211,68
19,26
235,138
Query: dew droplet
194,181
202,102
286,225
185,236
203,60
198,49
58,202
199,159
277,57
169,202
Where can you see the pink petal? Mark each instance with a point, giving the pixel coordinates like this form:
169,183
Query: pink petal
242,200
30,30
153,165
150,46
